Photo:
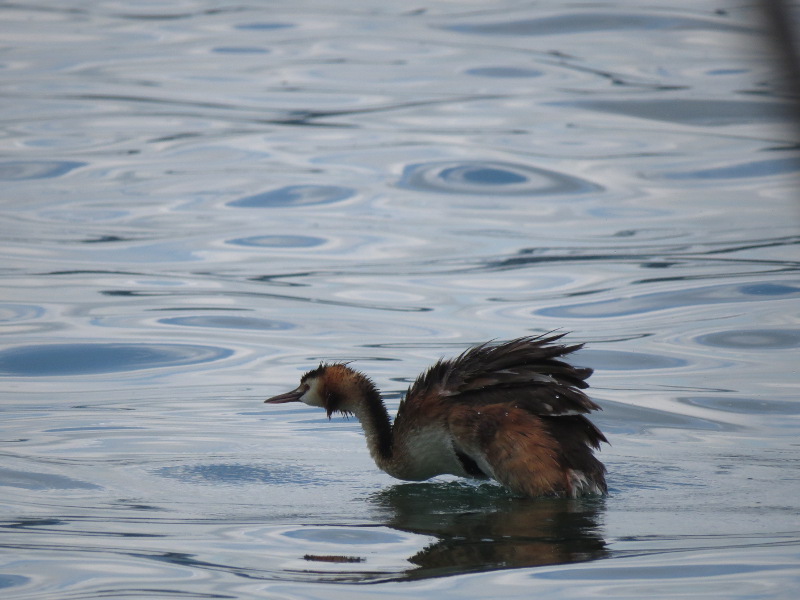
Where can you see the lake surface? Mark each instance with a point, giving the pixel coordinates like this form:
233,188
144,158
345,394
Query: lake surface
202,200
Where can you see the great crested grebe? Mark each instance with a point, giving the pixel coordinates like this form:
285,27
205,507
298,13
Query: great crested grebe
507,411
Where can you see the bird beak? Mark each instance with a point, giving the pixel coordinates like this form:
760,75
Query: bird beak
293,396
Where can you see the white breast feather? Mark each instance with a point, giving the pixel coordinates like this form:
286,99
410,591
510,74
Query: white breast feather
429,452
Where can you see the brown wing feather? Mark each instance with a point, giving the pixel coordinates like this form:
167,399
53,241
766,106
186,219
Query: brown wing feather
530,455
513,445
516,410
525,371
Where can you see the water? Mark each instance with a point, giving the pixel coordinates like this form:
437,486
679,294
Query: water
201,200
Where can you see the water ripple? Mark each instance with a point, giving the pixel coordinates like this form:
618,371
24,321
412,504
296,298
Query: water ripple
264,26
236,474
345,535
746,170
86,359
745,406
41,481
240,50
613,360
687,112
279,241
19,170
672,299
491,177
19,312
228,322
503,72
296,195
601,21
7,581
752,339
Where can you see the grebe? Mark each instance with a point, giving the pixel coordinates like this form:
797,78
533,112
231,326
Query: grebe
507,411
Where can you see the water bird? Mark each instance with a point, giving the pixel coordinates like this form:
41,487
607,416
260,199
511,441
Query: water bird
509,411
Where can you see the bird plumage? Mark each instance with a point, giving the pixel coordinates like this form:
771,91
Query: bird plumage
512,411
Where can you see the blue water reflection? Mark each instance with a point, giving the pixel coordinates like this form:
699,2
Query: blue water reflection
671,299
7,581
49,360
716,113
338,535
21,170
744,406
503,72
228,322
296,195
19,312
263,26
607,360
752,339
240,50
236,474
41,481
491,177
586,22
279,241
760,168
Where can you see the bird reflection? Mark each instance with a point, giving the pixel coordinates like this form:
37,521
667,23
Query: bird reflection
482,528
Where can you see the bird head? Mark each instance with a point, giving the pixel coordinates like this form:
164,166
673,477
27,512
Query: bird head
334,387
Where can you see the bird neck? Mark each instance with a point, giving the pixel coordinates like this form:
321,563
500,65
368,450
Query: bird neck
374,418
